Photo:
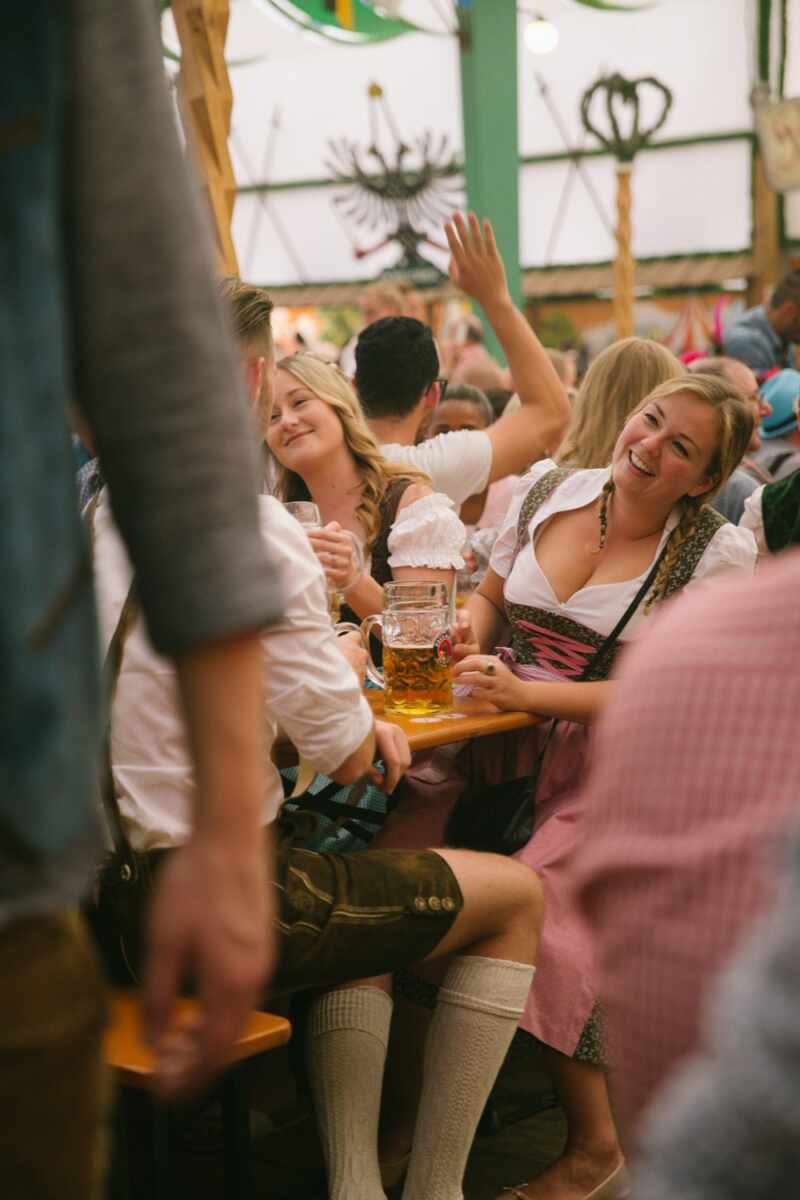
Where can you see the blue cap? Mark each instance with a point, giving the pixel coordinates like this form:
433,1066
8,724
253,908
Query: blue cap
781,391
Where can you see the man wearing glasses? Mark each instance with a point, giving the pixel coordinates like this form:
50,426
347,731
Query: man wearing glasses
397,379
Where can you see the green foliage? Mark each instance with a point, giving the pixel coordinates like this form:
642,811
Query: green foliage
339,324
557,332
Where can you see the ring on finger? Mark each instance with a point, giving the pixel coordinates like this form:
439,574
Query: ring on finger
490,669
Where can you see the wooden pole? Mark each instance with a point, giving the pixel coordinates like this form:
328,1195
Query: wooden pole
768,258
624,265
206,103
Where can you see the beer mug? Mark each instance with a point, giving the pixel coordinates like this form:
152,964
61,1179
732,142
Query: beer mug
417,648
307,514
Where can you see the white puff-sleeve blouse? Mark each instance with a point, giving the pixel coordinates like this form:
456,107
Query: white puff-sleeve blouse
598,606
753,519
427,533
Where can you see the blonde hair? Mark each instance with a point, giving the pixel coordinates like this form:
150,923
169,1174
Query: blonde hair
615,383
251,309
735,430
329,384
388,295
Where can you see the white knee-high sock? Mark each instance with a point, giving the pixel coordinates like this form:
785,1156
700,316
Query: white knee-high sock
348,1034
480,1003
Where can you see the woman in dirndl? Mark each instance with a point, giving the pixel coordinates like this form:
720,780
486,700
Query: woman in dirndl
576,550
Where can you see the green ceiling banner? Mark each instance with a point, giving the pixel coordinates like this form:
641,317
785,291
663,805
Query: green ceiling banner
351,21
609,6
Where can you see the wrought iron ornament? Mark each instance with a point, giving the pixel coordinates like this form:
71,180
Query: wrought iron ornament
625,94
402,192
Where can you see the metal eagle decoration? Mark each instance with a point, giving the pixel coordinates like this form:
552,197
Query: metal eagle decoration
410,189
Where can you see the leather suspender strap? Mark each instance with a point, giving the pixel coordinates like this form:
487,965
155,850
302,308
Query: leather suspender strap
111,670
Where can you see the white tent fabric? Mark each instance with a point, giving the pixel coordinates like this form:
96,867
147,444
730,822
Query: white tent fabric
298,92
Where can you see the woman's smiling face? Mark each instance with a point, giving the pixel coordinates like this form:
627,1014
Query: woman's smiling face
665,450
302,428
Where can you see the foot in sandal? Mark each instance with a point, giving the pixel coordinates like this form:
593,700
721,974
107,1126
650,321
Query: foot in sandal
575,1176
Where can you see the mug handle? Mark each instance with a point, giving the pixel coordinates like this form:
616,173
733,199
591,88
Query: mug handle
346,627
374,673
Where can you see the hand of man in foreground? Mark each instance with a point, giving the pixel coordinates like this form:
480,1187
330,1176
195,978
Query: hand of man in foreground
210,920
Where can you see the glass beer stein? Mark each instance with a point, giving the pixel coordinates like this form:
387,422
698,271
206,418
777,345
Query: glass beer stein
417,648
307,514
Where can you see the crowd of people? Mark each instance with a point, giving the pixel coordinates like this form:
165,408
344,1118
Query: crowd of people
627,918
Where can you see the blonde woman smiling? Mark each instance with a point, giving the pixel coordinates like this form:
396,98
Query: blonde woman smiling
579,551
326,453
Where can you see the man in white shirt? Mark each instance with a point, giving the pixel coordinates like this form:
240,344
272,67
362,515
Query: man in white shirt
397,369
340,918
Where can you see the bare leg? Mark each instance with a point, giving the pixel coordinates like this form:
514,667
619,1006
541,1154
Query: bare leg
592,1152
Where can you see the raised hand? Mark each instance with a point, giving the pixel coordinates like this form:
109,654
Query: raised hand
475,264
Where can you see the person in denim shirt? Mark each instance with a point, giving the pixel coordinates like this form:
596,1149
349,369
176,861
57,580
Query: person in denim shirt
764,336
108,302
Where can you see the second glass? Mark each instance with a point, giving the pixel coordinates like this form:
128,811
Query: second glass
417,648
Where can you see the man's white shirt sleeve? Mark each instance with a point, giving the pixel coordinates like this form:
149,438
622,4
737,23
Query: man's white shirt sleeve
310,688
458,464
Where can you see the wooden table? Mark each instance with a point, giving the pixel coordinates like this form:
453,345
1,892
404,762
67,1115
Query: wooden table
468,719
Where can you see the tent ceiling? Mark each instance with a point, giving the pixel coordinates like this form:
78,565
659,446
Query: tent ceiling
298,92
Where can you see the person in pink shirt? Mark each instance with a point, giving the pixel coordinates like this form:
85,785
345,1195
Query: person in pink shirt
695,771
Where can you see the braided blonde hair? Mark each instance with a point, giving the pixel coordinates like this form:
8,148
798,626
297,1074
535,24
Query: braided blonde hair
735,430
329,384
614,384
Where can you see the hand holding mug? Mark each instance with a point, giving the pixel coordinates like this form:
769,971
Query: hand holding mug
352,648
339,553
464,641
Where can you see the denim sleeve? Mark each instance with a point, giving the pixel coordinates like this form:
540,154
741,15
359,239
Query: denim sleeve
751,348
155,367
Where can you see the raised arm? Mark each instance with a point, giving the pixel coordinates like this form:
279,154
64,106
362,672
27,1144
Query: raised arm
534,430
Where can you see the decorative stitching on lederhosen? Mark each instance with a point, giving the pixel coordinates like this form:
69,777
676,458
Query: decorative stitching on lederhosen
564,645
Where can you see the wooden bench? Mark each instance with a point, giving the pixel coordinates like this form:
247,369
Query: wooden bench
132,1063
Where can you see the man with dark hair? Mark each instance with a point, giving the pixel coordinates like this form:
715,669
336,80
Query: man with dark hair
396,378
764,336
396,363
380,299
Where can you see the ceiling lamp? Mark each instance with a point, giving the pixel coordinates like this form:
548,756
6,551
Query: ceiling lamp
541,35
